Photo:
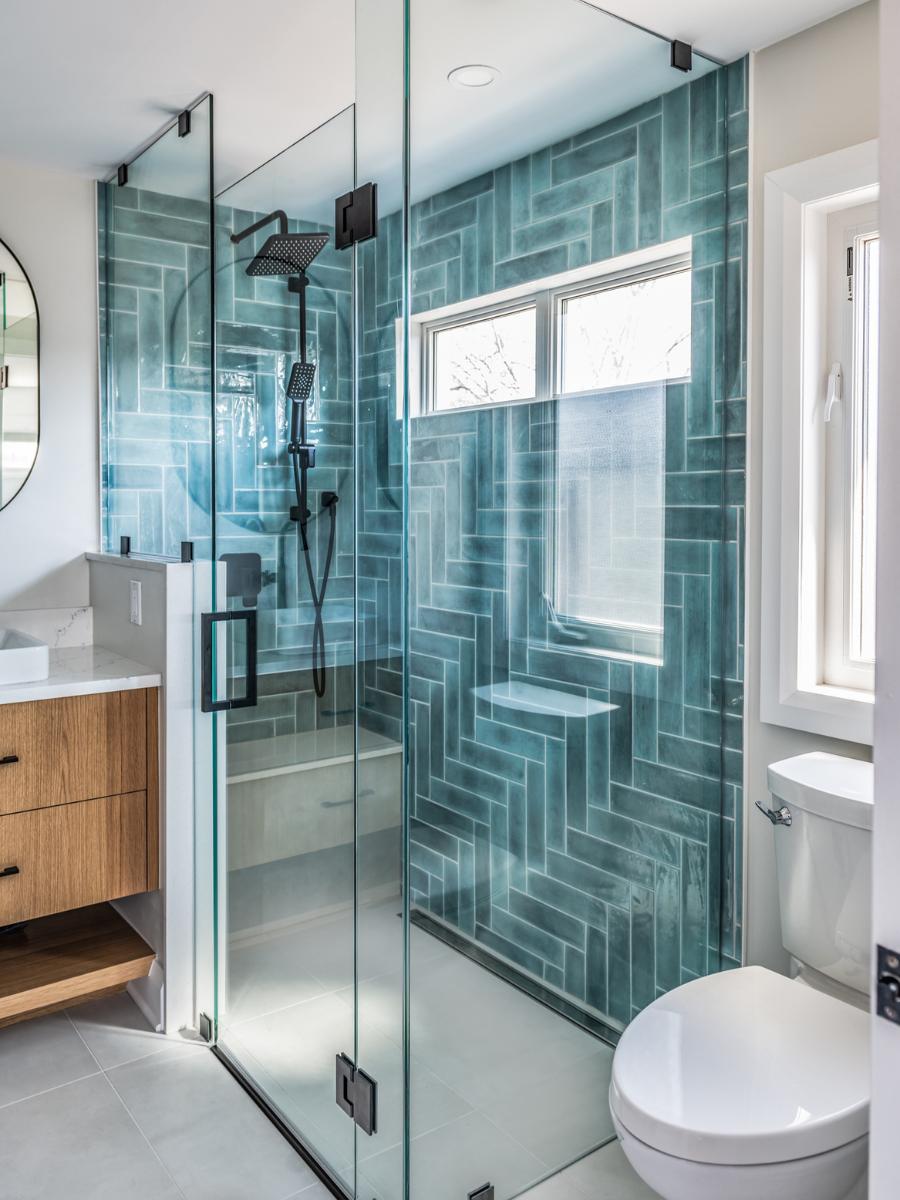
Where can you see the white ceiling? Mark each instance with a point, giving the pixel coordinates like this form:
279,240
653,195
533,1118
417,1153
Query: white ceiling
86,83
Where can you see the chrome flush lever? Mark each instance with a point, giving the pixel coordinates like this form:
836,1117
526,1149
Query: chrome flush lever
780,817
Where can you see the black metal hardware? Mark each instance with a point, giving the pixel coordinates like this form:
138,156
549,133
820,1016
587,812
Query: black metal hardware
248,700
682,56
355,1093
356,216
184,123
4,377
485,1192
888,988
2,278
205,1027
8,871
125,545
243,577
122,175
8,759
187,551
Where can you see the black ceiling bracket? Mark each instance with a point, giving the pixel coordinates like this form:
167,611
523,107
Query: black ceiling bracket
184,123
356,216
485,1192
122,175
682,56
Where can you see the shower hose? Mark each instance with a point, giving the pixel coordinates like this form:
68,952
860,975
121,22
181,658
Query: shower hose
317,594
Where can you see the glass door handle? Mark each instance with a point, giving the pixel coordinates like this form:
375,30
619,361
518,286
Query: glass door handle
207,668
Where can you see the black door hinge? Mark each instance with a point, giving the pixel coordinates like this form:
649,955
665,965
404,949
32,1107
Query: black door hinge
485,1192
356,216
355,1093
888,985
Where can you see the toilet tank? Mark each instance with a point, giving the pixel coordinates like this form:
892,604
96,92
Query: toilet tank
824,863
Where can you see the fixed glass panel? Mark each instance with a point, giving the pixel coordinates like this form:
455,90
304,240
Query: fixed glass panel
574,616
486,361
156,344
284,564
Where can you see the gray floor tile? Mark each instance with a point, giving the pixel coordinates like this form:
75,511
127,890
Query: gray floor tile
607,1175
117,1032
452,1161
78,1142
213,1139
41,1054
557,1115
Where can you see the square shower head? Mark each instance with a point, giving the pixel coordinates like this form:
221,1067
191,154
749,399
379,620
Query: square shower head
287,253
300,384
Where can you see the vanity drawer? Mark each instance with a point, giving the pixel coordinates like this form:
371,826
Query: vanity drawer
72,856
73,748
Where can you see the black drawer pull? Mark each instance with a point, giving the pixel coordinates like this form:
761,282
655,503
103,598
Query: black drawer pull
9,871
8,760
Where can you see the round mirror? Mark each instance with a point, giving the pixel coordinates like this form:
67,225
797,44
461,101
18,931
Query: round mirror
19,419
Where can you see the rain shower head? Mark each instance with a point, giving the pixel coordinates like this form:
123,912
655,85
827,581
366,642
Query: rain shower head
283,253
287,253
300,384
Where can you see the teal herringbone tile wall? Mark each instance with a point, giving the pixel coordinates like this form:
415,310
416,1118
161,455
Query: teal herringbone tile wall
589,829
157,468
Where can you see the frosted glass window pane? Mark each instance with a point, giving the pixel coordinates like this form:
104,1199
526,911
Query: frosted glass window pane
620,336
485,361
610,531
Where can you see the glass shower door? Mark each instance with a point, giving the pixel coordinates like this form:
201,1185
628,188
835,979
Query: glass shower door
279,643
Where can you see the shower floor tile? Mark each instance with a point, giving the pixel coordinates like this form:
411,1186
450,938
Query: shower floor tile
491,1066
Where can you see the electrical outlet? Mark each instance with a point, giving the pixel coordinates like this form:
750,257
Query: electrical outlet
136,616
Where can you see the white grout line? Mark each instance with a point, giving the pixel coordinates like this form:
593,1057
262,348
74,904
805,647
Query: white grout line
131,1115
55,1088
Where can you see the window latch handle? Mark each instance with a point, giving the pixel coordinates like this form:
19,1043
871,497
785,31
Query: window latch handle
835,389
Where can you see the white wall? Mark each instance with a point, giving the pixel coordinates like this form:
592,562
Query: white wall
47,220
811,94
886,1038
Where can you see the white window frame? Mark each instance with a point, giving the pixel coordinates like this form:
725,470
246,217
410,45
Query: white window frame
841,666
797,200
648,263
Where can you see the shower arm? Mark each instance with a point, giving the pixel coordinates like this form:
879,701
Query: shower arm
278,215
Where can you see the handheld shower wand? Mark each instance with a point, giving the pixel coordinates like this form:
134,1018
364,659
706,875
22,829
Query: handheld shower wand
291,254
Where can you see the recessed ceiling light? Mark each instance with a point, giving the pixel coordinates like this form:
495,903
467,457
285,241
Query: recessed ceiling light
473,75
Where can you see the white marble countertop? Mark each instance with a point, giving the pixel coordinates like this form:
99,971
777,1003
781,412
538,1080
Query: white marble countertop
81,671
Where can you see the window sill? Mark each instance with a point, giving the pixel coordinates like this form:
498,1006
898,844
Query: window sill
835,712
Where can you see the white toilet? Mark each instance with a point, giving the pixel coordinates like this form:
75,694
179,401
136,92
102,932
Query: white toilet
750,1086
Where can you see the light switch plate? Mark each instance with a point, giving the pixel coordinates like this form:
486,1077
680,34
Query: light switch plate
136,616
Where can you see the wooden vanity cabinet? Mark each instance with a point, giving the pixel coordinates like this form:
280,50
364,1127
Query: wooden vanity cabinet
79,802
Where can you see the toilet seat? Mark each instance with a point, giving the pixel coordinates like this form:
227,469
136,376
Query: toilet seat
743,1068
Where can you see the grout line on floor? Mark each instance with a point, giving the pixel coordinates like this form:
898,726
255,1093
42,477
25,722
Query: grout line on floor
55,1088
131,1116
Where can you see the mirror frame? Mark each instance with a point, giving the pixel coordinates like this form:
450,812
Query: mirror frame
4,245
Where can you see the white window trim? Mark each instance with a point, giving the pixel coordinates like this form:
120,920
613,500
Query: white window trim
794,265
668,255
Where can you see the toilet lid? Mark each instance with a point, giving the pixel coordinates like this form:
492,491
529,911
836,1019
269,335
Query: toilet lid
744,1067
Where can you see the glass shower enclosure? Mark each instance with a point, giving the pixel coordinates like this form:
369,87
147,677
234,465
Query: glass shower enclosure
466,506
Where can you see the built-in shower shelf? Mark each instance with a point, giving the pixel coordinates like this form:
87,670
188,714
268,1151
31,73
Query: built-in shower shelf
312,750
62,960
529,697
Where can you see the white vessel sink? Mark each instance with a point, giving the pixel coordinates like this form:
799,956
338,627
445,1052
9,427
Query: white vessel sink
23,659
